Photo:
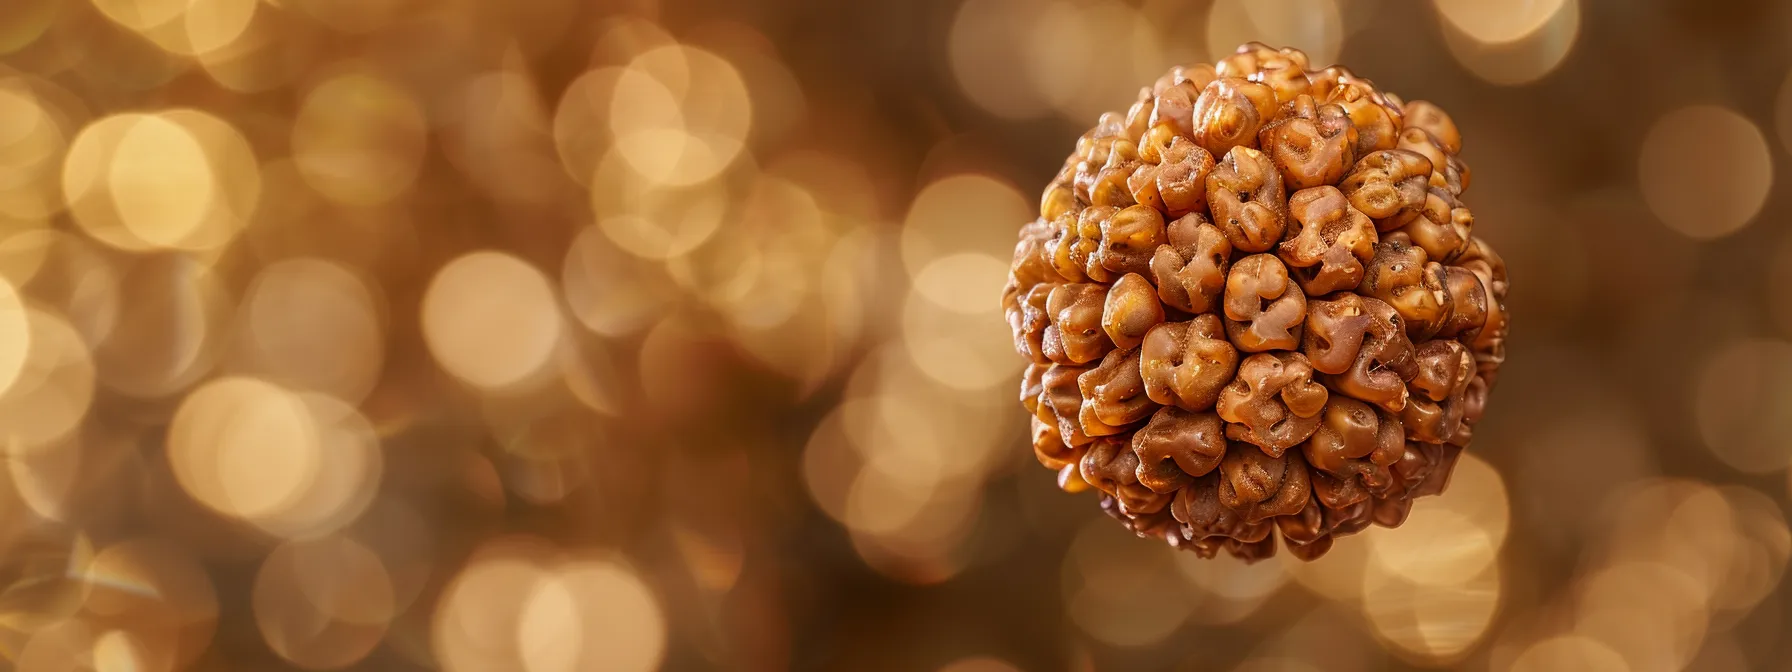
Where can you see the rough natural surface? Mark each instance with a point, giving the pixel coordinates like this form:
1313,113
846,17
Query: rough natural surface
1254,304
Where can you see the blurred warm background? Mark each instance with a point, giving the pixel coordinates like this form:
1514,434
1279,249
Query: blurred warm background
561,335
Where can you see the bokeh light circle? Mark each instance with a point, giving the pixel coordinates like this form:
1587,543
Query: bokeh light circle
1524,60
323,604
15,335
54,387
1497,22
296,465
1572,652
359,139
1739,402
1313,26
679,115
1705,170
491,319
987,47
312,324
591,615
962,213
180,179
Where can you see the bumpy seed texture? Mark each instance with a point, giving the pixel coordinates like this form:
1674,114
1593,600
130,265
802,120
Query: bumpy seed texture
1253,307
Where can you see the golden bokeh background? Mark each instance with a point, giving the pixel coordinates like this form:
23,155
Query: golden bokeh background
559,335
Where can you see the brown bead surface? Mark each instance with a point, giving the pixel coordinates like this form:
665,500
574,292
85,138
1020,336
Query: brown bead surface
1131,310
1253,306
1274,402
1352,450
1186,364
1138,116
1248,201
1259,486
1310,532
1158,525
1264,308
1086,247
1190,270
1284,70
1175,106
1176,446
1028,319
1482,260
1489,342
1443,226
1032,260
1389,186
1431,118
1057,201
1447,170
1359,344
1109,185
1114,393
1070,479
1155,145
1075,335
1310,144
1050,448
1061,402
1111,467
1180,182
1401,275
1197,75
1440,463
1229,112
1328,243
1474,405
1468,302
1377,120
1032,383
1197,506
1436,409
1064,250
1128,240
1251,552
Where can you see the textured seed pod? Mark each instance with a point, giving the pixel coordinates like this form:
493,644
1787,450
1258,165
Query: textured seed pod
1468,302
1431,118
1112,467
1264,309
1190,270
1439,390
1274,402
1259,486
1389,186
1186,364
1401,275
1205,519
1283,70
1060,402
1229,112
1114,393
1177,184
1132,309
1074,335
1248,201
1176,446
1352,450
1311,144
1253,307
1328,242
1197,76
1358,343
1377,118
